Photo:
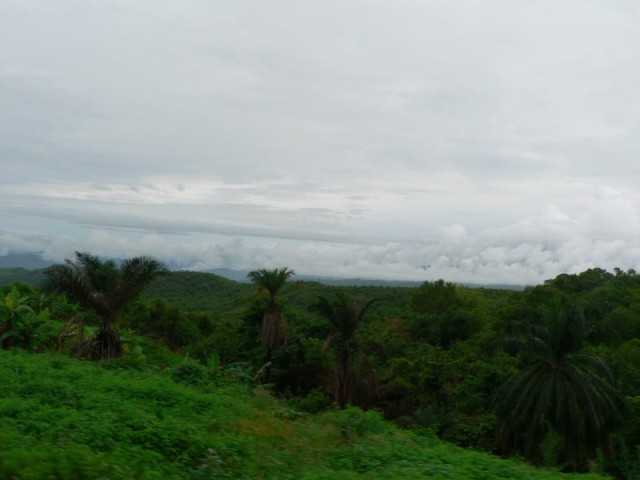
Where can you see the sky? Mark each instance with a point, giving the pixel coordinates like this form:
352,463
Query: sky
492,141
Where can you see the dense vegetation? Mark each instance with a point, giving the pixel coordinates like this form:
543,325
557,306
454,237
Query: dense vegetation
548,374
61,418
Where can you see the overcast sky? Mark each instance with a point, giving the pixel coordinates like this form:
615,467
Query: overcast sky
475,141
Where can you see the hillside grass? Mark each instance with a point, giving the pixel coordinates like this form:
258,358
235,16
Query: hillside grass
69,419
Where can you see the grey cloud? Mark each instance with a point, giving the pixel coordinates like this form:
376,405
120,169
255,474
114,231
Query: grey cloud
376,125
224,219
494,256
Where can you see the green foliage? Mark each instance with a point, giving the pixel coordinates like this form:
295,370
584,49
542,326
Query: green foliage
190,373
624,464
315,401
270,281
177,328
21,325
434,297
274,325
445,314
106,288
62,418
582,282
560,387
426,357
10,276
199,291
354,423
140,426
345,316
625,360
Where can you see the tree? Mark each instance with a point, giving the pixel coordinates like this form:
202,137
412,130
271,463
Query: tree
105,287
444,315
434,297
582,282
559,387
274,325
345,316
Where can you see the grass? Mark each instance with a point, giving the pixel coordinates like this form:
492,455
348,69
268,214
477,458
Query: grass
69,419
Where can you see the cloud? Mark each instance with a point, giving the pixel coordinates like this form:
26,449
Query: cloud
494,141
526,252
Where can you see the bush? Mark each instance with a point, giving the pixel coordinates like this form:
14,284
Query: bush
315,401
190,373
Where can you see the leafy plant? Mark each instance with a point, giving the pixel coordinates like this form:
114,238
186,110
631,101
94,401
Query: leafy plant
274,325
190,373
345,316
561,388
106,288
20,325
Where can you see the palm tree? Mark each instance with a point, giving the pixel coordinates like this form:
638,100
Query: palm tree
274,325
345,316
560,387
104,287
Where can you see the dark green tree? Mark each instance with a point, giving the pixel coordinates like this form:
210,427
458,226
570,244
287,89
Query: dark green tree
443,315
105,287
274,325
345,316
559,388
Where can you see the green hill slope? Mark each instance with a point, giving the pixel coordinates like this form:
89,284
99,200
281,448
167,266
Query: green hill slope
9,276
67,419
210,292
200,291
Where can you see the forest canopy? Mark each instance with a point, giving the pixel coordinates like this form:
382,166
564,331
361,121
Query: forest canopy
548,373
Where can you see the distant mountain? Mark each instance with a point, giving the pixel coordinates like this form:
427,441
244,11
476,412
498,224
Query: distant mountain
28,261
229,273
241,276
33,261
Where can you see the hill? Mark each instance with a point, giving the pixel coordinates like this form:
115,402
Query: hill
69,419
200,291
17,274
212,293
33,261
29,261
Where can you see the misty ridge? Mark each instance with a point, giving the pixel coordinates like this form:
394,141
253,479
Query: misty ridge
34,261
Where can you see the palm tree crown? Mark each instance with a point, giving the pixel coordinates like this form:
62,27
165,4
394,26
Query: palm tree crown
274,325
562,387
345,315
104,287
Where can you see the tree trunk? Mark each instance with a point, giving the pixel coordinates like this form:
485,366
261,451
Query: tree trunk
345,380
107,343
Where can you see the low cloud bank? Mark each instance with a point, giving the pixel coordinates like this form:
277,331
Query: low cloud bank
527,252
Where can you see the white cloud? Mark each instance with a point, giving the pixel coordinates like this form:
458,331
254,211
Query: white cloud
494,141
529,251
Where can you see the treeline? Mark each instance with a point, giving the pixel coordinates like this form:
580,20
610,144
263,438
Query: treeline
549,373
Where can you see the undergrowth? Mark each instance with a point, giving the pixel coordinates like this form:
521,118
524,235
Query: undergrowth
70,419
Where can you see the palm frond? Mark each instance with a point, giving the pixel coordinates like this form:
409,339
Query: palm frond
103,286
559,387
274,325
